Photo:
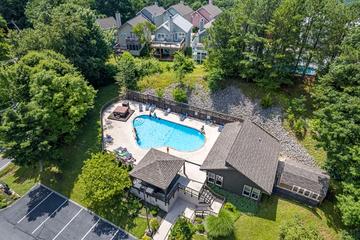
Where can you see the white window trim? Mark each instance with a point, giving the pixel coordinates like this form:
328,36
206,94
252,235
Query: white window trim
211,175
256,191
297,189
218,177
243,192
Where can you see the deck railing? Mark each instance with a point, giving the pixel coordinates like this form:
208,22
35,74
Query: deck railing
182,108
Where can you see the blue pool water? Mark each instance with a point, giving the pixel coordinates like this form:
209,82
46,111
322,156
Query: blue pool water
154,132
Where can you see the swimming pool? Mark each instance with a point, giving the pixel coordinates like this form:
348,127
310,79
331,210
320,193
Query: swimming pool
154,132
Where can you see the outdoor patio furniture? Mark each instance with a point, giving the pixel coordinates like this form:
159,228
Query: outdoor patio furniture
167,111
141,108
152,108
121,111
147,107
183,117
220,128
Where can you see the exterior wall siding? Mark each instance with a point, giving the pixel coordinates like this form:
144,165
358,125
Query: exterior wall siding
234,181
124,32
195,19
295,197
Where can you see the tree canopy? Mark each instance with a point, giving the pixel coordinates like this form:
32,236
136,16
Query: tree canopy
337,98
71,30
295,229
105,184
4,45
44,98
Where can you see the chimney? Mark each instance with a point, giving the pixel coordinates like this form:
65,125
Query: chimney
171,24
118,19
202,24
211,2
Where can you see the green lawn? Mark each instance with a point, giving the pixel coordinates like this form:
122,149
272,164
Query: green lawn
65,178
168,77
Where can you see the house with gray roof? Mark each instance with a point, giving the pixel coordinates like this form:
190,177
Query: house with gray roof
182,9
173,35
154,13
205,14
107,23
243,160
302,183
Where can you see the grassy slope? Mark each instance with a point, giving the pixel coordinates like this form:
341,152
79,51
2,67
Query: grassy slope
64,180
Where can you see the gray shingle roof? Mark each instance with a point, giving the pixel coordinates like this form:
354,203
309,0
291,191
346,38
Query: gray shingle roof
106,23
155,10
157,168
250,150
212,9
313,179
136,20
182,9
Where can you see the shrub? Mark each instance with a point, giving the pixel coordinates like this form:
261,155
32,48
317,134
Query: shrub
221,226
159,92
200,228
198,220
296,229
299,127
230,207
182,230
215,79
154,224
145,67
179,95
146,237
266,101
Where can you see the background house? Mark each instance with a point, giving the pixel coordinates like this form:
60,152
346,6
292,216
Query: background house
205,14
182,9
107,23
173,35
199,53
154,13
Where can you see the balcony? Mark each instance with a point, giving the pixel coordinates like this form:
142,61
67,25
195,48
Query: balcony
168,45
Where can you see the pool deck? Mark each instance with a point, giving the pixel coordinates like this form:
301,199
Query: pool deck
122,133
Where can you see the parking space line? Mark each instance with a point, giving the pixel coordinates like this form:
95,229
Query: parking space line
67,224
114,234
90,229
35,207
49,216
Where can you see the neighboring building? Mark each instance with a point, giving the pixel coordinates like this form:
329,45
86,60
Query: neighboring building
205,14
182,9
160,179
108,23
243,160
154,13
198,48
127,40
301,183
173,35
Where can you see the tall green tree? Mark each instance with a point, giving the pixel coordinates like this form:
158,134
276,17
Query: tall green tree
127,74
105,184
296,228
182,65
4,45
71,31
45,98
14,10
337,98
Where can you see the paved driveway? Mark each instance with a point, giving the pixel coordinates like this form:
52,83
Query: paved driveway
4,162
43,214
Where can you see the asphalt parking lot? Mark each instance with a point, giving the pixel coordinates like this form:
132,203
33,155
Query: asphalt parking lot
44,214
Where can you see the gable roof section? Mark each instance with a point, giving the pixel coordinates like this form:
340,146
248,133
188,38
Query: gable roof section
313,179
182,23
158,168
213,10
136,20
248,149
106,23
154,10
182,9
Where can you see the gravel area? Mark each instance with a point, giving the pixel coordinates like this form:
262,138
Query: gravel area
232,101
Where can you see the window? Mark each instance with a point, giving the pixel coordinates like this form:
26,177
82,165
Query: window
315,196
219,180
307,193
255,194
161,36
181,35
246,191
211,177
301,191
295,189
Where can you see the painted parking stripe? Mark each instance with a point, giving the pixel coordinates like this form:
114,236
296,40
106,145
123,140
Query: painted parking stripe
67,224
90,229
112,238
35,207
49,216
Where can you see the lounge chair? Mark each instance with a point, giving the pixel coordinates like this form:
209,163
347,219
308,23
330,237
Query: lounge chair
208,120
220,128
183,117
152,108
141,108
167,111
147,107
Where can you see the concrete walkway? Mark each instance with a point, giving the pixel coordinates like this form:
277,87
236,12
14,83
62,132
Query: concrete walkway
4,162
180,207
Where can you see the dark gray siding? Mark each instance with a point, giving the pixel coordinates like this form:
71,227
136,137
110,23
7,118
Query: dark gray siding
234,182
295,197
